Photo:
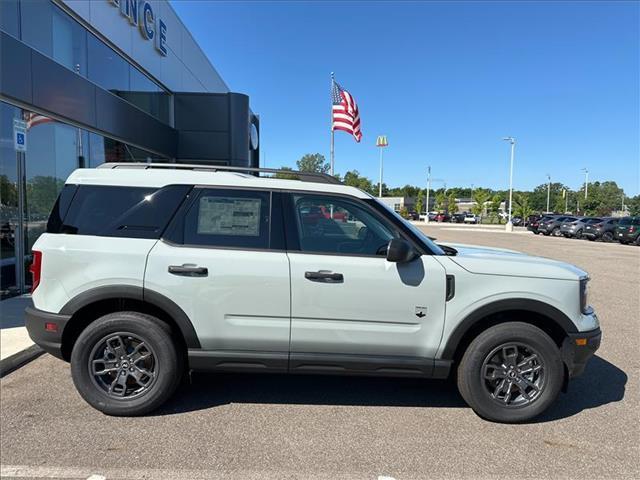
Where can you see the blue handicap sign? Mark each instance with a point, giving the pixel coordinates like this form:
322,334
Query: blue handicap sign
20,138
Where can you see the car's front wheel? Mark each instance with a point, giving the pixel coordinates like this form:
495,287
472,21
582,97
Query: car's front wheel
511,373
607,237
125,363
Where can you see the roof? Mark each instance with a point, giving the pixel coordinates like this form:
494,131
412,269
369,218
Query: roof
161,177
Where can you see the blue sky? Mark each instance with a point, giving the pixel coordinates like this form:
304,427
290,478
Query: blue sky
445,81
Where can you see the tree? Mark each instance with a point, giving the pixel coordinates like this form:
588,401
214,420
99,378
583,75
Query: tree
453,206
313,162
633,204
480,197
419,203
521,205
353,179
287,176
8,192
441,201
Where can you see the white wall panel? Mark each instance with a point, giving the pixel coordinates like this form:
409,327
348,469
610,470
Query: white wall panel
185,68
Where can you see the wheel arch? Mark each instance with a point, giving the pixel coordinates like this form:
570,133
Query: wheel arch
94,303
542,315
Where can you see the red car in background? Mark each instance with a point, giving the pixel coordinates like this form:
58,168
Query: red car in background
443,217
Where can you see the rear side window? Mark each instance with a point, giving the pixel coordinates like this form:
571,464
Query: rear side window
115,211
226,218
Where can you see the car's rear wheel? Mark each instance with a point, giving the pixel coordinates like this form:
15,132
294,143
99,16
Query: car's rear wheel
556,232
578,234
511,373
125,363
607,237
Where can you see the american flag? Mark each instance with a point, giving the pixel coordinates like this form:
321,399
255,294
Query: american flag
346,116
34,119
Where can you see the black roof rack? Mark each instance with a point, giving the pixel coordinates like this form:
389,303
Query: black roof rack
287,174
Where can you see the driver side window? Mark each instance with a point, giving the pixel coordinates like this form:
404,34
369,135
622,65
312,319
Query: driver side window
333,225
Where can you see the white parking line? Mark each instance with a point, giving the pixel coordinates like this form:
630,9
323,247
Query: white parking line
79,473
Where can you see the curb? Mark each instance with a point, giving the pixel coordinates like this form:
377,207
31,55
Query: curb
19,359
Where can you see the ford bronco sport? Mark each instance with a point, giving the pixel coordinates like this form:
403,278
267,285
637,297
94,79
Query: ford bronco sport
149,270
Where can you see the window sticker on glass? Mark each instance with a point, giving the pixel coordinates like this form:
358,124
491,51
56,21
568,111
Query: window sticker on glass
229,216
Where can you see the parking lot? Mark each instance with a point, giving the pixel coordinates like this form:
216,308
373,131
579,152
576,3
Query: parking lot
249,426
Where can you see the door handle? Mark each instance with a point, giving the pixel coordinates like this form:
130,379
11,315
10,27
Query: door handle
324,276
188,270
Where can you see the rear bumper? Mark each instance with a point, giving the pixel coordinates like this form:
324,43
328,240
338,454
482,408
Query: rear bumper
50,341
624,236
578,348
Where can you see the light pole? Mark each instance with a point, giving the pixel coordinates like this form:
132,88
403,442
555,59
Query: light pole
512,141
586,182
428,191
548,191
381,142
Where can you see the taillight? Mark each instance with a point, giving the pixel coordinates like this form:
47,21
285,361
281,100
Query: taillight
35,269
632,229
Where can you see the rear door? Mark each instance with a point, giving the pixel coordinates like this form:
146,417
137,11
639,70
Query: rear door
223,263
351,309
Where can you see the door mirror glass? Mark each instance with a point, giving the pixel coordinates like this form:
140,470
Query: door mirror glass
400,251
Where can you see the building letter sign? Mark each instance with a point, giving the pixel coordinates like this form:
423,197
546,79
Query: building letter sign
140,14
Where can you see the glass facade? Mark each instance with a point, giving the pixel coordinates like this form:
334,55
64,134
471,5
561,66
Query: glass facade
47,28
54,150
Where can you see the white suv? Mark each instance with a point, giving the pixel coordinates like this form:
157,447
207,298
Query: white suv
149,270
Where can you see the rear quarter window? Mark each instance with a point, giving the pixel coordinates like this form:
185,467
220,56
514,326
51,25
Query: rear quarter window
116,211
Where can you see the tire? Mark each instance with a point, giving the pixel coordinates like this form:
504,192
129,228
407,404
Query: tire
591,239
607,237
151,367
578,234
477,390
556,232
637,242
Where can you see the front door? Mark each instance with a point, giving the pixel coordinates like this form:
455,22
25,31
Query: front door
351,309
220,263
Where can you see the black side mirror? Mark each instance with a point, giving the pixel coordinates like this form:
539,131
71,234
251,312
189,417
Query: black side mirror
400,251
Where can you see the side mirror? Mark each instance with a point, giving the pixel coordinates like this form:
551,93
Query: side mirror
400,251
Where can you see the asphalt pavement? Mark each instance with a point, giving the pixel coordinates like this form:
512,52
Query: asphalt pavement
251,426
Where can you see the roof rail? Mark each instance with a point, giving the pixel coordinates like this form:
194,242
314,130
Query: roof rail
288,174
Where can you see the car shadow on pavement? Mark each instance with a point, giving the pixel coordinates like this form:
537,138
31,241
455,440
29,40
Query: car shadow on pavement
601,383
211,390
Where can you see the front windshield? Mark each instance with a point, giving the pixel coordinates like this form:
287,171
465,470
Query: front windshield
435,248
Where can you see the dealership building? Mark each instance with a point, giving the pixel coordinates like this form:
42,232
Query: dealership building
86,82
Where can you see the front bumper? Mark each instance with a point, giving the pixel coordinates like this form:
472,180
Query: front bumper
48,339
578,348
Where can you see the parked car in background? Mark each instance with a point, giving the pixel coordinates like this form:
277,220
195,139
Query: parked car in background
458,217
517,221
576,228
535,222
553,225
628,230
471,218
432,216
413,215
443,217
603,230
532,219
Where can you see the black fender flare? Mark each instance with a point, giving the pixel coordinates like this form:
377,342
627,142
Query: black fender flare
141,294
522,304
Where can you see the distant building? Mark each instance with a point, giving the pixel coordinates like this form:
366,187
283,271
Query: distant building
397,203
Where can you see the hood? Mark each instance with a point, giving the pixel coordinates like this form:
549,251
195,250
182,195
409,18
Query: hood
501,261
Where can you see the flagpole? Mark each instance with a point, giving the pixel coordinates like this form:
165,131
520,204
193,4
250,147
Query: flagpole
331,151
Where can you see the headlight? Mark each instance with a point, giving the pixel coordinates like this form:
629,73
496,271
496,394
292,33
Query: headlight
584,287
